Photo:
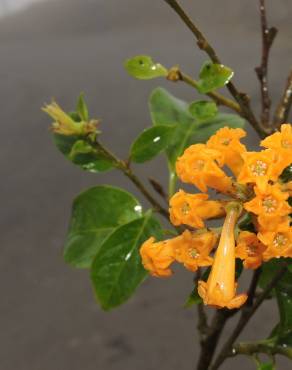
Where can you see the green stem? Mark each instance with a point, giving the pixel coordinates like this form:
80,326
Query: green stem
127,171
172,183
251,348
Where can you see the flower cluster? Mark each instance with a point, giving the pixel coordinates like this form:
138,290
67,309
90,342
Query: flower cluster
255,189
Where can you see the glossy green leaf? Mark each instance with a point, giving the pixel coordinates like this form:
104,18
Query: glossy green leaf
151,142
96,213
82,109
81,153
213,76
209,127
203,110
143,68
166,109
117,270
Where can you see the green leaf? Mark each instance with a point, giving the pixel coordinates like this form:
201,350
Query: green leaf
166,109
193,298
96,213
266,366
82,109
246,223
151,142
203,110
213,76
209,127
286,175
117,271
81,153
143,68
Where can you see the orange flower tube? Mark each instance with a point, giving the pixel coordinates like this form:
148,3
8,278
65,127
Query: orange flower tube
220,288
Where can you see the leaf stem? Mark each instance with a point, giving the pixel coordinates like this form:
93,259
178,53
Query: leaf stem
241,98
218,98
127,171
247,313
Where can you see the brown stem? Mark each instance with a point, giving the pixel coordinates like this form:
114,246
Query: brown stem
241,98
250,348
283,108
253,286
247,313
268,36
127,171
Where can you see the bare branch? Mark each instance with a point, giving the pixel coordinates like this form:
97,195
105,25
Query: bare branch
241,98
284,106
268,36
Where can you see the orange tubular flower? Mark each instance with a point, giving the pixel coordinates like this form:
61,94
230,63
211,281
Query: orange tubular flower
198,166
280,140
270,204
220,288
193,249
192,209
227,141
157,257
249,249
279,242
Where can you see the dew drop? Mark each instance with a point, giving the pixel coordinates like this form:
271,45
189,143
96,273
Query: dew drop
156,139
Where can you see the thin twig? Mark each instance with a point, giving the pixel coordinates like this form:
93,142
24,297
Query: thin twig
241,98
127,171
253,285
250,348
283,108
268,36
202,316
247,313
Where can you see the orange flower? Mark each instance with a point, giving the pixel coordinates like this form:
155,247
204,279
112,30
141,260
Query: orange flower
192,209
270,204
220,288
279,242
198,166
227,141
193,249
280,140
249,249
260,167
157,257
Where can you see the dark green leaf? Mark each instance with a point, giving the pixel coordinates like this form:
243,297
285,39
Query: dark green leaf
286,175
203,110
82,109
117,271
209,127
246,223
213,76
143,68
151,142
95,214
81,153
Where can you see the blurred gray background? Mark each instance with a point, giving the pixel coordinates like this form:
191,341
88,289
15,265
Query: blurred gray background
57,48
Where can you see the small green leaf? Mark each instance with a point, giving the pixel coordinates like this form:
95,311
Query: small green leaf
82,109
151,142
117,270
96,213
193,298
82,153
203,110
266,366
246,223
143,68
213,76
209,127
